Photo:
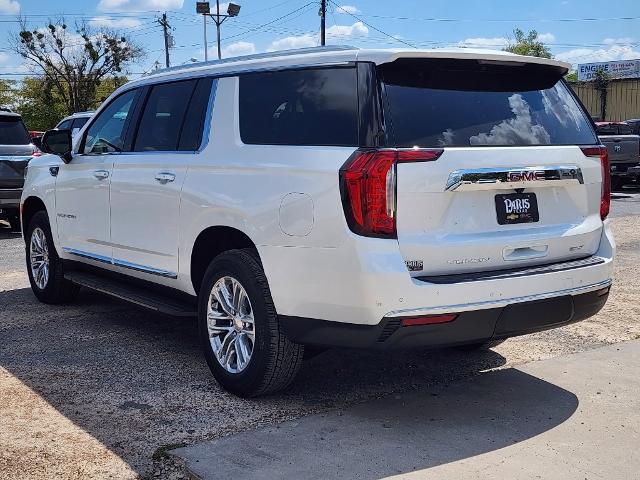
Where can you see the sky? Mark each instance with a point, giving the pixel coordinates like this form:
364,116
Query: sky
577,31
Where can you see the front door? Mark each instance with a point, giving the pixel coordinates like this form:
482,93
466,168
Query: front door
82,185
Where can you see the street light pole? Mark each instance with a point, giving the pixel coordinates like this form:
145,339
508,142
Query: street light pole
206,53
203,8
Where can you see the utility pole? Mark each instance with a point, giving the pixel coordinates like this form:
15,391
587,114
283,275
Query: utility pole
206,53
218,23
165,26
323,26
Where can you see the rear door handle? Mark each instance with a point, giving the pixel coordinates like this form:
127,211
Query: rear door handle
165,177
101,174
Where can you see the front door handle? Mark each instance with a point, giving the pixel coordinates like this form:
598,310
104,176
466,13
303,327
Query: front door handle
165,177
101,174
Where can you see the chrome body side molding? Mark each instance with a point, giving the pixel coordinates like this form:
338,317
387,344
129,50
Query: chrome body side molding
120,263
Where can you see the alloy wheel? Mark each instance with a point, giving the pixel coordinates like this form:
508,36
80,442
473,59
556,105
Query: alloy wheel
39,258
230,323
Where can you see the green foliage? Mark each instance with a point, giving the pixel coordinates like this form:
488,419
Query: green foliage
528,44
571,77
40,107
77,65
6,93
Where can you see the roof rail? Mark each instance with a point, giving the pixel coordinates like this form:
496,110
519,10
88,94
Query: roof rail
257,56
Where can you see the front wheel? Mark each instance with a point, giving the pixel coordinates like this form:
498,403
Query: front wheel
239,328
44,267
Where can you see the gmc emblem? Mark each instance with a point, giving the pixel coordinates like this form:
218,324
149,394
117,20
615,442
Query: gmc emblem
525,176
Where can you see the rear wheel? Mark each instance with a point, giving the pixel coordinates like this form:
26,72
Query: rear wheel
44,267
239,328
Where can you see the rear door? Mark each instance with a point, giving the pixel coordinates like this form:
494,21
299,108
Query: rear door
147,182
511,186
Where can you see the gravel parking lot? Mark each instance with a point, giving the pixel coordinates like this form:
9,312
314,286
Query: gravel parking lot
99,389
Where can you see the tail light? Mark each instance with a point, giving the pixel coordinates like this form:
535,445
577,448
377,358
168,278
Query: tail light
36,153
368,188
605,199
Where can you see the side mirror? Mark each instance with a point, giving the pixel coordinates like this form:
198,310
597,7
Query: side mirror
37,141
57,142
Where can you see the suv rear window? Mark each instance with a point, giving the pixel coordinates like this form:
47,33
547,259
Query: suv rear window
300,107
464,103
13,131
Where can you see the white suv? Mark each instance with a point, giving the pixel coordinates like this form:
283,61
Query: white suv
331,197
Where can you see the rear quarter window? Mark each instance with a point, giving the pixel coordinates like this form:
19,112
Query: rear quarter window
467,104
300,107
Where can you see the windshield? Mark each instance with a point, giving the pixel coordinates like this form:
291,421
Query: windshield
467,104
13,131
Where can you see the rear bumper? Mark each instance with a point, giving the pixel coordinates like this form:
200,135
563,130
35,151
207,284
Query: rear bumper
9,200
472,326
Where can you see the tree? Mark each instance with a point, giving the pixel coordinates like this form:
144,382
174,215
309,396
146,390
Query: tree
76,64
601,84
528,44
41,108
6,93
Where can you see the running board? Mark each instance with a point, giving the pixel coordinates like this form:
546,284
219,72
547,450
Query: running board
140,296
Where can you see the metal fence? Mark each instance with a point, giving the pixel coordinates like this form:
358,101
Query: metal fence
623,99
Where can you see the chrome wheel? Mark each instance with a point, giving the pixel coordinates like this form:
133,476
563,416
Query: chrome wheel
230,323
39,258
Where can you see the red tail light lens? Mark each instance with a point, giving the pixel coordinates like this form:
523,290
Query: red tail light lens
602,153
428,320
368,187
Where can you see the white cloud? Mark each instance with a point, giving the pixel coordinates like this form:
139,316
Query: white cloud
335,32
235,49
138,5
483,42
591,55
9,6
347,9
547,37
496,43
114,22
618,41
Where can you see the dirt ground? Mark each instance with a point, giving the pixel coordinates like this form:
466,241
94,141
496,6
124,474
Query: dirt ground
99,389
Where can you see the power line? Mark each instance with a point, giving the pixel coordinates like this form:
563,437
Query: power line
371,26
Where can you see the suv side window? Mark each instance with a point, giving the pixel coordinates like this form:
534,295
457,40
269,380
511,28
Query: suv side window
106,133
192,130
316,106
66,125
163,116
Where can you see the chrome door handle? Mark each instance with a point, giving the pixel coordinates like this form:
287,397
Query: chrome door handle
165,177
101,174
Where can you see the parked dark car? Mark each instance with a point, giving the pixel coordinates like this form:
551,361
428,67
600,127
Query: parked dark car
16,149
634,123
624,151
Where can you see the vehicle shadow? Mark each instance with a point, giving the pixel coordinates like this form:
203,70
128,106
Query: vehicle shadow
136,381
393,436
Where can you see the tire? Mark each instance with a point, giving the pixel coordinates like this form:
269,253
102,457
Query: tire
274,360
477,347
55,289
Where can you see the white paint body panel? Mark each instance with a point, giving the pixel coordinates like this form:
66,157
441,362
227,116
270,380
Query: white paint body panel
316,267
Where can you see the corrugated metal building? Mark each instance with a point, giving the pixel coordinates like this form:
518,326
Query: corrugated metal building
623,99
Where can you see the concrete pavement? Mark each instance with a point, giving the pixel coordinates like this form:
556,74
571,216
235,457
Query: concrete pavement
570,417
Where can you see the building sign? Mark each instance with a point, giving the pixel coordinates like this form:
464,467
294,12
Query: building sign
615,69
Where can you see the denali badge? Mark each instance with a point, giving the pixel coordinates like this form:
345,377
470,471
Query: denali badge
525,175
414,265
465,261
